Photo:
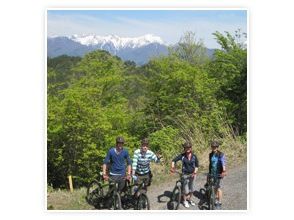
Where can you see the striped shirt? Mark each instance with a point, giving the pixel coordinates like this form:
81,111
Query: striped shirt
141,162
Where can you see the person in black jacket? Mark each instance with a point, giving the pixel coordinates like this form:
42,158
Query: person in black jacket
189,169
217,168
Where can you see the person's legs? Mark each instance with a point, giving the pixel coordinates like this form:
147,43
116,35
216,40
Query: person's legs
112,179
218,193
146,179
185,191
191,190
121,183
115,179
150,176
140,181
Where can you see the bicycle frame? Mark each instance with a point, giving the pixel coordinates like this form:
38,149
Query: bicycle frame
182,181
211,190
212,179
99,199
113,187
177,192
130,198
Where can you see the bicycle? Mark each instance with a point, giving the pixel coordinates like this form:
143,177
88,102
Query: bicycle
210,190
176,196
96,196
136,198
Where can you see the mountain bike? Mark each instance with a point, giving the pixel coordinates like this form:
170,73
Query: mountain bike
177,192
210,190
97,197
136,198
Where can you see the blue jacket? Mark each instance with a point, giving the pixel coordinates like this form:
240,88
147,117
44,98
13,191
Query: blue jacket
117,161
221,161
188,166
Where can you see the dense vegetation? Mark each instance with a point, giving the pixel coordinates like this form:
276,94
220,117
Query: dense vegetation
184,95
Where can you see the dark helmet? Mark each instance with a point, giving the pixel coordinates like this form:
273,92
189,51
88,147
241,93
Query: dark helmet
214,144
187,144
145,141
120,140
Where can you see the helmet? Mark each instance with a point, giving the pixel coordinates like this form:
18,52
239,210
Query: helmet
214,144
120,140
187,144
145,141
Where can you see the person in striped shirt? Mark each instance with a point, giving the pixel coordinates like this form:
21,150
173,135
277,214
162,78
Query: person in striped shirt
141,163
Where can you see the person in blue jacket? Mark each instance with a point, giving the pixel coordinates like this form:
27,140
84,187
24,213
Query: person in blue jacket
116,159
217,168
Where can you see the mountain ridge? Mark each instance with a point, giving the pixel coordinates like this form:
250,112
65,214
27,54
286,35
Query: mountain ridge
138,49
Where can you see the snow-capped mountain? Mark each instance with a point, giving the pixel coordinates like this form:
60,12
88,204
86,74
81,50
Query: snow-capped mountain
138,49
116,41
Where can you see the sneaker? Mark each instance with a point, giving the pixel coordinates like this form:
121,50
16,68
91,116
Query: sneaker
218,205
186,205
192,203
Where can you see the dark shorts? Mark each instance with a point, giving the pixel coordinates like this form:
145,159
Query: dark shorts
218,184
144,177
120,179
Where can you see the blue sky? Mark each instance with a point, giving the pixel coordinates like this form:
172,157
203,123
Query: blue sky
168,24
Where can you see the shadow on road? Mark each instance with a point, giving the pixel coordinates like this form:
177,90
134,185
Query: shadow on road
166,197
202,204
166,194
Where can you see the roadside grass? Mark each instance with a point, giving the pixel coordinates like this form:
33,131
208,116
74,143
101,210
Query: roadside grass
63,199
234,147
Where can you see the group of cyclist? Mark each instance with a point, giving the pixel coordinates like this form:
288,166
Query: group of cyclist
121,167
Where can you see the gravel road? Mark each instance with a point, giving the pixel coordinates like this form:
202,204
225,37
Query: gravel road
234,191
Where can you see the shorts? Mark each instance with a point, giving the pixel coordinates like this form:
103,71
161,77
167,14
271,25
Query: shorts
120,179
219,183
143,177
189,185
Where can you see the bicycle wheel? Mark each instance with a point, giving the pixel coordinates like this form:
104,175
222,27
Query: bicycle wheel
94,194
176,197
211,199
143,202
116,202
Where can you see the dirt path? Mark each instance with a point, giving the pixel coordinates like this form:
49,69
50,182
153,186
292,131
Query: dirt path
234,191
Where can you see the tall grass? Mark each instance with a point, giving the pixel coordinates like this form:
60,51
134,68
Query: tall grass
65,200
234,147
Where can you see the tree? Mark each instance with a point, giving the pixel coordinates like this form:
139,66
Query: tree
190,49
229,68
85,118
177,90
